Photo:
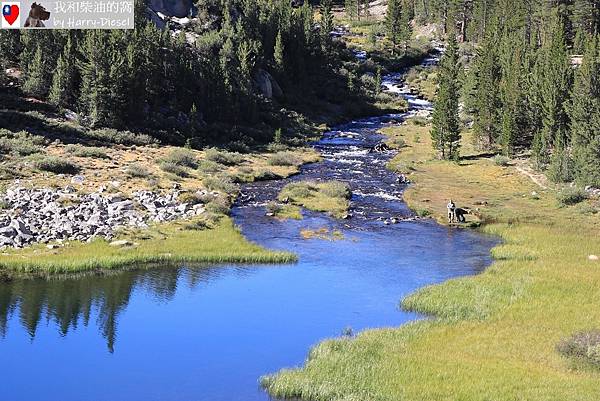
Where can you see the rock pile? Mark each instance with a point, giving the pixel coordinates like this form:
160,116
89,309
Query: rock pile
46,215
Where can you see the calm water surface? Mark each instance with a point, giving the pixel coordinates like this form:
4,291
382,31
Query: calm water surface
209,333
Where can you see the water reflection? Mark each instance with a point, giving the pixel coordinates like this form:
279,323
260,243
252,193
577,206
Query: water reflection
100,299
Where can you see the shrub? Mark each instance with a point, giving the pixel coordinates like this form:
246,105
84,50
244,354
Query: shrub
208,166
135,170
223,157
173,168
298,190
191,198
21,143
218,206
283,159
56,165
266,175
87,151
336,189
182,157
398,142
571,196
121,137
500,160
221,183
583,346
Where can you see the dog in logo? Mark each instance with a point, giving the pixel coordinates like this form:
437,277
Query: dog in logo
37,14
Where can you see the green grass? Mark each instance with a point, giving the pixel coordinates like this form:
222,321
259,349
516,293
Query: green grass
284,210
168,243
332,197
510,333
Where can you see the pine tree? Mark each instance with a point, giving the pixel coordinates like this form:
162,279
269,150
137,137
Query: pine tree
62,91
326,23
555,82
487,94
396,24
445,133
35,81
278,53
585,117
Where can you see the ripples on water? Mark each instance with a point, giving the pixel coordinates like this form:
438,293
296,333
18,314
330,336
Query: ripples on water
208,333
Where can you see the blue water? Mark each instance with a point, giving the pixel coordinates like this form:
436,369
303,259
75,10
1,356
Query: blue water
209,333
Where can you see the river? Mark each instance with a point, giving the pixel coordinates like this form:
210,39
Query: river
209,333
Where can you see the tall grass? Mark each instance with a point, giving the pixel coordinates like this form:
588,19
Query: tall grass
168,243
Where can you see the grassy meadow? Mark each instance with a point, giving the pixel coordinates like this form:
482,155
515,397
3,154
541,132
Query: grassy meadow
494,336
177,242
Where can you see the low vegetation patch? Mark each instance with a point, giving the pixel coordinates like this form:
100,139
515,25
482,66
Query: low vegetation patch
223,157
182,157
56,165
136,170
284,211
87,151
327,196
571,196
121,137
583,347
221,183
20,143
172,168
167,243
501,160
284,159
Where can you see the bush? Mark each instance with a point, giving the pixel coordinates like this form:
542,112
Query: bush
173,168
571,196
87,151
398,142
137,171
336,189
223,157
583,346
122,137
208,166
502,161
20,143
182,157
266,175
284,159
218,206
190,198
56,165
221,183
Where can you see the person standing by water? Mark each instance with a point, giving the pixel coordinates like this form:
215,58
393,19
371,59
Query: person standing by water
451,211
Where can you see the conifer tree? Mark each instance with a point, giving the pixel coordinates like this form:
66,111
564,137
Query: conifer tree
487,93
396,24
326,22
445,133
35,80
278,53
554,88
585,117
62,91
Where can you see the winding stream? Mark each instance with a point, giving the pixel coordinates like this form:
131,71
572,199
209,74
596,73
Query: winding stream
198,333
